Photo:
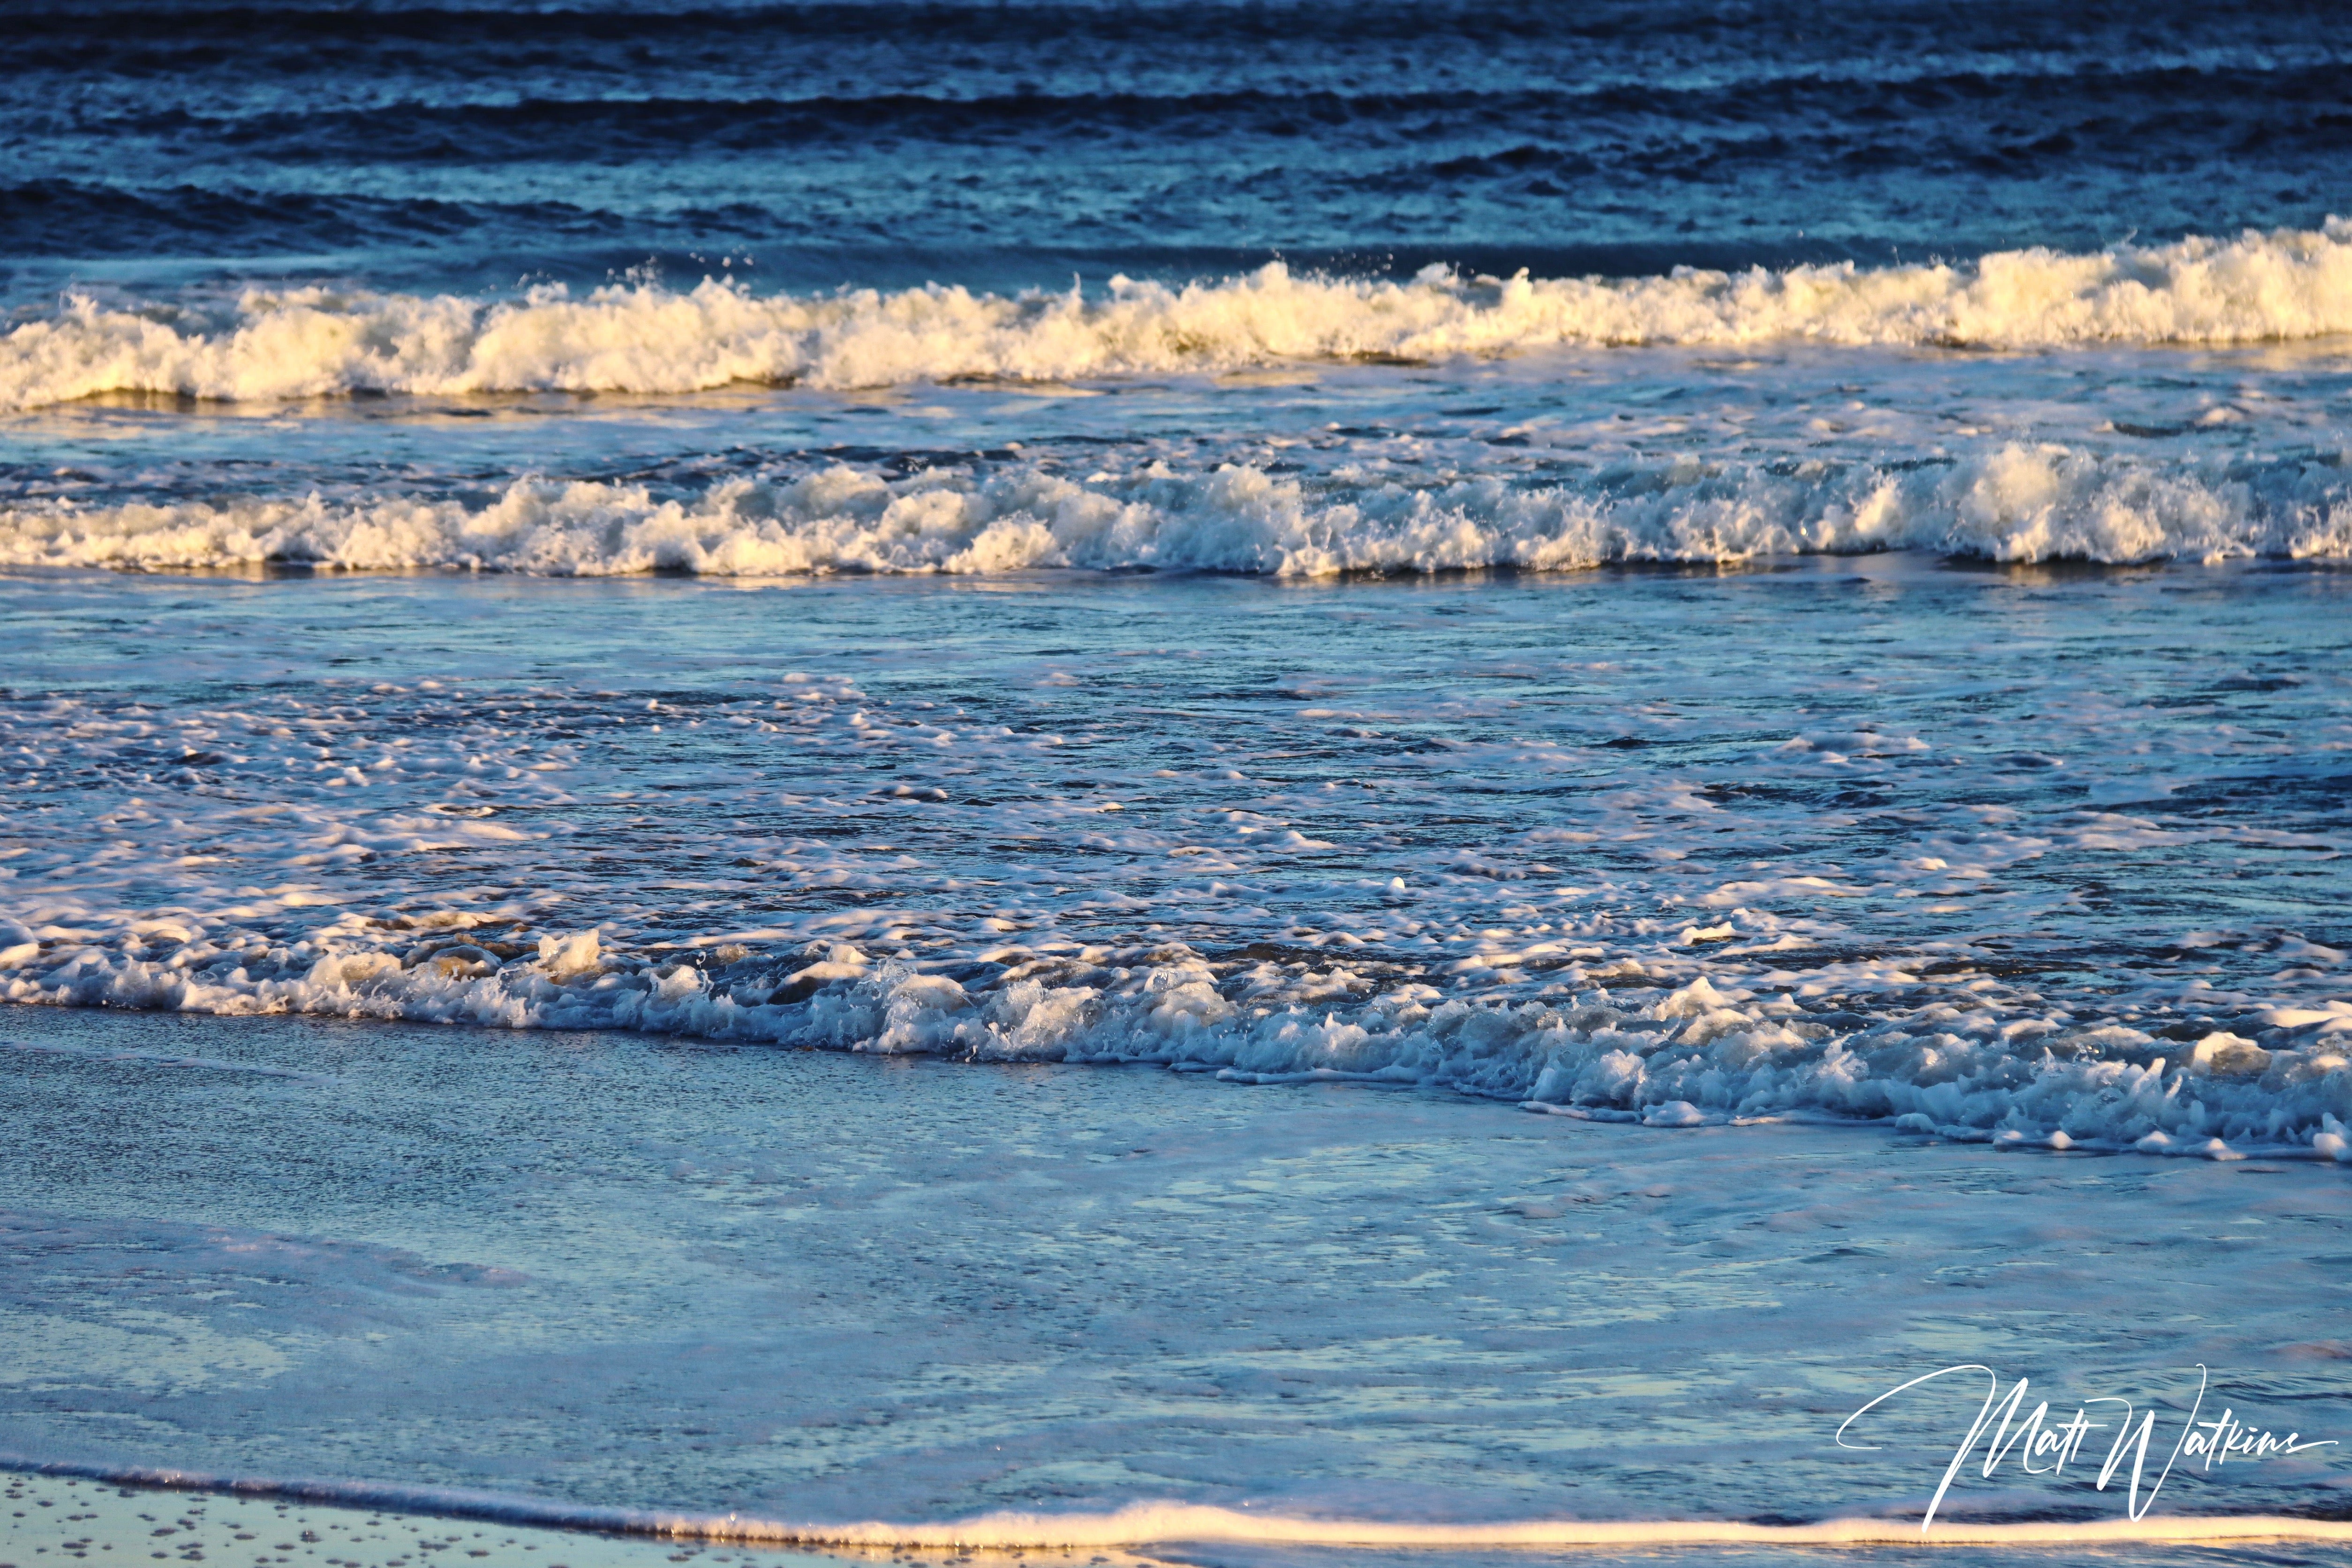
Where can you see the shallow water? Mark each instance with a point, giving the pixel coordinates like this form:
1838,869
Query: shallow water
54,1514
596,1271
2011,855
1728,620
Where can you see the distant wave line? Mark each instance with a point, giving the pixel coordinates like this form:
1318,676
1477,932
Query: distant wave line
319,341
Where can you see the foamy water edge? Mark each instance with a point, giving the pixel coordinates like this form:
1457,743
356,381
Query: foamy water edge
1148,1523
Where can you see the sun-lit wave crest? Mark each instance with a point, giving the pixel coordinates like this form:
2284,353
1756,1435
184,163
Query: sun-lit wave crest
2018,502
644,337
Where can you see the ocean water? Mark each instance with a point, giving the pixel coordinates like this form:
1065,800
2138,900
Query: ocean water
1755,595
2013,856
917,1304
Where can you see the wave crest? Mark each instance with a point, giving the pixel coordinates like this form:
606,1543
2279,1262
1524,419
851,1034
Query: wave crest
1699,1055
2015,504
316,341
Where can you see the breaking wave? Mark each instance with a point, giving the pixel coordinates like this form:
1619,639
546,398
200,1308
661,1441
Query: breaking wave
1695,1056
319,341
2015,504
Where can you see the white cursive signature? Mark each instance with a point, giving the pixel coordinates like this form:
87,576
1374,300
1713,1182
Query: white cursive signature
2044,1448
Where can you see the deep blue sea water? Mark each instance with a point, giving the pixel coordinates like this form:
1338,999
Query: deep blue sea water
457,147
1714,571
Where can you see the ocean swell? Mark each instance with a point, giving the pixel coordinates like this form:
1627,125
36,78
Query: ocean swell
320,342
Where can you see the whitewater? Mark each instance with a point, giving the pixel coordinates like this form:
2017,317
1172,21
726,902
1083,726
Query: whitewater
324,342
2014,503
1830,884
1116,786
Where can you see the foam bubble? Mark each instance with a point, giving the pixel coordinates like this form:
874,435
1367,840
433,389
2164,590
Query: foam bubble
320,342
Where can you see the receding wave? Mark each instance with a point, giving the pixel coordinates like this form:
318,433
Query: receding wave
1695,1056
2014,503
1150,1523
318,341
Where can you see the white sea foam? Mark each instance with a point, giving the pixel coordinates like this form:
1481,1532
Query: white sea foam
1697,1055
1820,900
319,341
2016,502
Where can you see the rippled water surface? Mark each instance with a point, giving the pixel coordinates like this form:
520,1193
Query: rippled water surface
1983,847
578,1272
461,145
1500,749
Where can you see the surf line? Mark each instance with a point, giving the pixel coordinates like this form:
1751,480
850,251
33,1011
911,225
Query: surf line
1148,1523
